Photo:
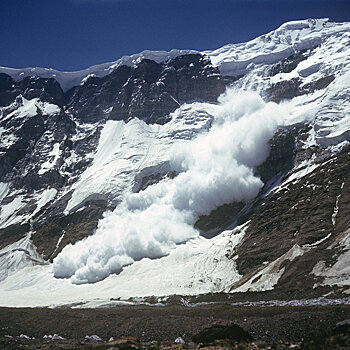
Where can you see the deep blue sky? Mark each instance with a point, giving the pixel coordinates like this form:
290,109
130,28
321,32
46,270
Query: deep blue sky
75,34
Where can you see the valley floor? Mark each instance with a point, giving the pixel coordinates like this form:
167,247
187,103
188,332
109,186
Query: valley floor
279,327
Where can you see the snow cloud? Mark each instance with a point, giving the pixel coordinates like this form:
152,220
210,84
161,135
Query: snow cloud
215,168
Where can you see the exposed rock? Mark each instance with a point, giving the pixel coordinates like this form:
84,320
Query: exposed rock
281,157
219,219
12,233
299,213
149,91
287,89
290,63
46,89
222,331
55,232
342,327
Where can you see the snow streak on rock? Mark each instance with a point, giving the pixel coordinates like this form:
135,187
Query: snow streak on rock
215,168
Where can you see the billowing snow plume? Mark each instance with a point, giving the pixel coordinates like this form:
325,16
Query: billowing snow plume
215,168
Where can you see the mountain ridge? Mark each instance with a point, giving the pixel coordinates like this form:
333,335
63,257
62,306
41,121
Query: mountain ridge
69,79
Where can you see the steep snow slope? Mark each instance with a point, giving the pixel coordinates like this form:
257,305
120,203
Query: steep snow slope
125,149
270,48
325,61
199,266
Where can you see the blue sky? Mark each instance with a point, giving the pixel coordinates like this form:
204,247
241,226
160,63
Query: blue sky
75,34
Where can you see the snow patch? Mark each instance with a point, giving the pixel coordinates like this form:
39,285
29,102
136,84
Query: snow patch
4,189
53,337
53,156
7,139
17,256
48,108
47,196
93,337
339,272
336,207
8,211
269,276
59,241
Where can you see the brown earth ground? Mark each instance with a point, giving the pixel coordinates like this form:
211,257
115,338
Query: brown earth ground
307,327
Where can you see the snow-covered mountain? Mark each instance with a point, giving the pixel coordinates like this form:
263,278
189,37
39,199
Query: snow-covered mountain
180,172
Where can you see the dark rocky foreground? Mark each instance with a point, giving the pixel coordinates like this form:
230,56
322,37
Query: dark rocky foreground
308,327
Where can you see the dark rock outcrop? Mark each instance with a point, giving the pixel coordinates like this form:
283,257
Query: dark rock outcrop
46,89
222,331
148,91
287,89
299,214
290,63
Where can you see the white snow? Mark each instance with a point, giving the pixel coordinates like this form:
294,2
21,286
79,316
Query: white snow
45,197
25,336
179,340
49,108
4,189
53,157
93,337
339,272
18,256
7,139
238,59
8,212
53,337
199,266
59,241
315,244
267,277
336,207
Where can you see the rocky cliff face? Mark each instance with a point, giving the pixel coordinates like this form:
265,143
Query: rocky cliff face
48,135
149,91
69,156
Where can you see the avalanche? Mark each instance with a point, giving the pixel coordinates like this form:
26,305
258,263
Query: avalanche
215,168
